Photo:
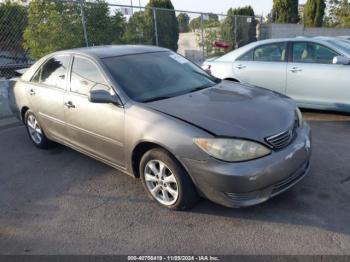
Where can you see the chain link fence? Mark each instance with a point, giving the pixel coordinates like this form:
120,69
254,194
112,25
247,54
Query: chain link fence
30,30
13,20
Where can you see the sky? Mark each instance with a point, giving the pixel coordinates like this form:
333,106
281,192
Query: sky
261,7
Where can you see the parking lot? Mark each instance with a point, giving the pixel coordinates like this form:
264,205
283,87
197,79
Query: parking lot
62,202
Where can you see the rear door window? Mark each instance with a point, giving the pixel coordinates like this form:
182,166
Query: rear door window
275,52
53,72
249,56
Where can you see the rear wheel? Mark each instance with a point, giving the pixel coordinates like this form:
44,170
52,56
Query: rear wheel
35,132
166,181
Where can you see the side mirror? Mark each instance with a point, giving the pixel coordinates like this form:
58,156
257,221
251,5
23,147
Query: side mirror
102,96
341,60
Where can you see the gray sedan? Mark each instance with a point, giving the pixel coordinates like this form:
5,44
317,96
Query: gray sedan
152,114
315,72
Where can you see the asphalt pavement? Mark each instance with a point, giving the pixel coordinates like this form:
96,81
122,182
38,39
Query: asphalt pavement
59,201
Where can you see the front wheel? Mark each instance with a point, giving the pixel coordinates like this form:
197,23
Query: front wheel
166,181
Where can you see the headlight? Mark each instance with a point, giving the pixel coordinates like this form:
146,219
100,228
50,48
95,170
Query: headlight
299,116
231,150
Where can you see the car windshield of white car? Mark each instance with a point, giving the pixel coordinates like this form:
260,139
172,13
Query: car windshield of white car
342,44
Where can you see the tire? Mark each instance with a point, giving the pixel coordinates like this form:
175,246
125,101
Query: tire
35,132
174,178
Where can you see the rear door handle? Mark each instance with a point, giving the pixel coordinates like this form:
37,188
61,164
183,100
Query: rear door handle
31,92
295,69
69,104
240,66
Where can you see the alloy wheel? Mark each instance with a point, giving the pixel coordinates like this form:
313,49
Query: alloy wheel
34,129
161,182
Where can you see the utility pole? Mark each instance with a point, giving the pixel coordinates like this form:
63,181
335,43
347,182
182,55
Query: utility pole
83,22
155,25
236,44
202,35
132,8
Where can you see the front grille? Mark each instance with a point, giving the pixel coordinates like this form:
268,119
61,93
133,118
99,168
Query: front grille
283,139
240,197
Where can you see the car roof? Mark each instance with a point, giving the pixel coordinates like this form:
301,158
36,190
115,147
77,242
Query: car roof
240,51
97,52
114,50
293,39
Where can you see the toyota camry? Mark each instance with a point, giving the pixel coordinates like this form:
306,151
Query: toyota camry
154,115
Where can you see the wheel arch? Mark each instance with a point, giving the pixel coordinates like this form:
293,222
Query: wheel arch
141,148
232,79
24,109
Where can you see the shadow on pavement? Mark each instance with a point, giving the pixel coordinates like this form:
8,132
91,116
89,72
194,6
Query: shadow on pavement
60,201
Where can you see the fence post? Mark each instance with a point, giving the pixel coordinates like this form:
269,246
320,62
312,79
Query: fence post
83,22
202,35
236,45
132,8
155,25
260,28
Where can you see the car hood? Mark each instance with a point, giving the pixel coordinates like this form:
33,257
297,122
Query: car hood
232,110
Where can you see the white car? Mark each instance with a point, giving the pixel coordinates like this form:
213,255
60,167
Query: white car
345,37
315,72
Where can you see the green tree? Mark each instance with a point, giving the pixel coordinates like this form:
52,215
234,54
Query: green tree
211,21
118,25
239,21
338,13
195,23
211,33
102,28
98,23
52,26
314,11
183,19
13,20
138,30
57,25
167,25
285,11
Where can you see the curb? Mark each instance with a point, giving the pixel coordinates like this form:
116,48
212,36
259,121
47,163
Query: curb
326,117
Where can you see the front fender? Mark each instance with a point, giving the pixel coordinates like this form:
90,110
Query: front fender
147,125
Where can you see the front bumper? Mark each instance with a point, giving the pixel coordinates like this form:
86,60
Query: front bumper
252,182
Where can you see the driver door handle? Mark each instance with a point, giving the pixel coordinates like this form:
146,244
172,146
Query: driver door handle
295,69
69,104
240,66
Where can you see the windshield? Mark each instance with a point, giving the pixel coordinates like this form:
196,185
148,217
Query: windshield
154,76
342,44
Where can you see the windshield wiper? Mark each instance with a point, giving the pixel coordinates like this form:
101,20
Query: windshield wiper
155,99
